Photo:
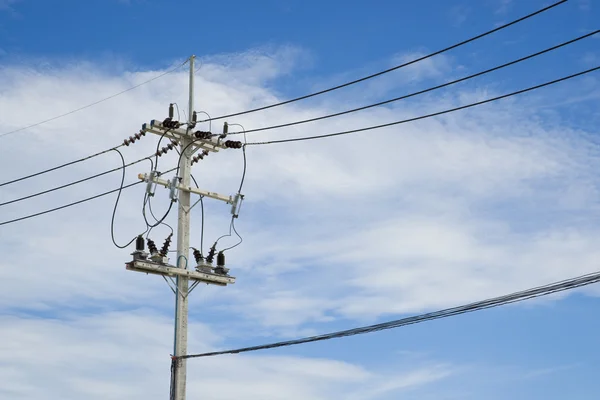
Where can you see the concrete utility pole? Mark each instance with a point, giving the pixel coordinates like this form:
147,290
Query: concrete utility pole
183,251
155,262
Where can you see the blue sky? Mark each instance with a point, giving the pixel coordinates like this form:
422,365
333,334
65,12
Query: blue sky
337,233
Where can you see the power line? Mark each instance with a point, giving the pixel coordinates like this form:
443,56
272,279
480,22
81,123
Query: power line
540,291
112,220
94,103
428,115
60,166
77,202
75,182
69,205
344,112
431,89
454,46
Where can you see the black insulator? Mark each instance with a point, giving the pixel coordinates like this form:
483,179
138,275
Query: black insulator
211,255
142,132
199,156
221,259
126,142
202,134
165,249
225,129
169,123
139,243
194,117
198,256
151,246
171,110
233,144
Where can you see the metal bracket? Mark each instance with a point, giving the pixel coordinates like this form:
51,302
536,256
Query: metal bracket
205,193
171,284
237,205
150,267
174,193
175,289
156,127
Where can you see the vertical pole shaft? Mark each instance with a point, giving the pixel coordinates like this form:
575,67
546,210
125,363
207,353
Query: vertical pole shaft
183,245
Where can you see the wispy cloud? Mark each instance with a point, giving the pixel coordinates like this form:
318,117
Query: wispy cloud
399,220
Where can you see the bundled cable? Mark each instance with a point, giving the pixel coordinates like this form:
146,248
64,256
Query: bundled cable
545,290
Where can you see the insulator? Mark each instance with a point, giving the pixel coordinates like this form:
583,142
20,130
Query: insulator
202,135
171,110
211,255
198,256
151,246
165,249
220,259
135,137
225,128
139,243
169,123
200,156
233,144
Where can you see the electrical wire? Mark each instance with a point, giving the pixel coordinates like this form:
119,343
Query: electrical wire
241,240
76,202
202,225
529,89
178,115
112,220
232,224
209,119
69,205
244,155
539,291
76,182
454,46
158,221
431,89
155,218
61,166
94,103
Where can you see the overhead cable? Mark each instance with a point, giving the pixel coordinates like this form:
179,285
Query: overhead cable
529,89
540,291
69,205
431,89
75,182
78,202
94,103
454,46
60,166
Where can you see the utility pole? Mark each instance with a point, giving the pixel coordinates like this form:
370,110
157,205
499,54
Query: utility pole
183,252
156,262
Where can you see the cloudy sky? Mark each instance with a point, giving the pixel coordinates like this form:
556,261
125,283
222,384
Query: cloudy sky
338,233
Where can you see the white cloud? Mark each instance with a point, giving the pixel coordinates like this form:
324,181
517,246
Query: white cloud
399,220
126,354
